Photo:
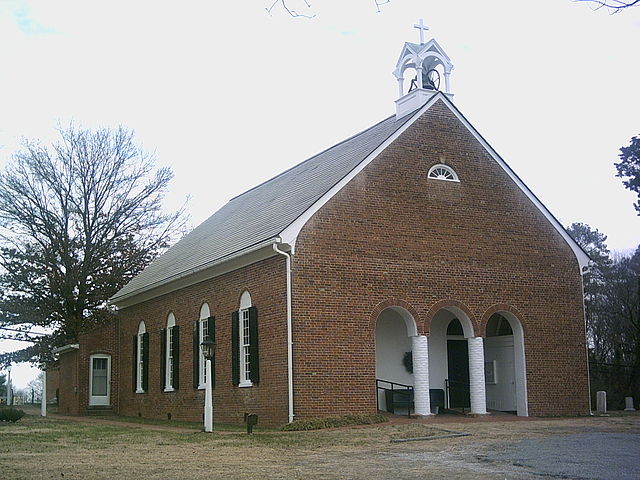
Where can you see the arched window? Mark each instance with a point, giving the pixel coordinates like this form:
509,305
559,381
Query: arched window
204,328
141,355
443,172
244,338
170,355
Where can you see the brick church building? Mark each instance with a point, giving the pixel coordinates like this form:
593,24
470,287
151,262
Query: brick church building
407,257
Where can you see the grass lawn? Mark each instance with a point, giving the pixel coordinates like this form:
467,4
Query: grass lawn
36,448
54,448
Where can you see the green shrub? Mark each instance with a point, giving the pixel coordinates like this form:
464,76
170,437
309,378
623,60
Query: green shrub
10,414
332,422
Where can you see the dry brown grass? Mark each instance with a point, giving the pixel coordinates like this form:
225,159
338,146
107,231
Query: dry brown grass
37,448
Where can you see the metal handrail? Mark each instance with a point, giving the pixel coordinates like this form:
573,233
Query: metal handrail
404,389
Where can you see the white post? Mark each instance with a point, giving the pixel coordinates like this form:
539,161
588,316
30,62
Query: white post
400,86
208,400
9,396
447,82
601,401
476,375
43,401
420,354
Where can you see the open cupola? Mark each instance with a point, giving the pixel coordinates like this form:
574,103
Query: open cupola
422,70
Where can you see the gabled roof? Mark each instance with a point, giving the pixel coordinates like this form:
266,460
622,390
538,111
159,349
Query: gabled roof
262,213
277,209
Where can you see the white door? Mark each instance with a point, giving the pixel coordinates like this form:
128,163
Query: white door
99,379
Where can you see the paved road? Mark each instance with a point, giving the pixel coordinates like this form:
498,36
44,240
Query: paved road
589,456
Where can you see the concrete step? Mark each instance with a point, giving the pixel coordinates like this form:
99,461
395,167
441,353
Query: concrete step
100,410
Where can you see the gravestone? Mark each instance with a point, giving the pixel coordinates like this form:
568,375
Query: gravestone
628,404
601,401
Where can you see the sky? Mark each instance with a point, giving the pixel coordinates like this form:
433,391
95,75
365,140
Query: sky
229,95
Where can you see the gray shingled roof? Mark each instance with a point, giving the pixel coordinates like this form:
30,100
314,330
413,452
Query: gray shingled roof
263,212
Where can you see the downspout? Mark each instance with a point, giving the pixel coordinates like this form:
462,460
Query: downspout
289,332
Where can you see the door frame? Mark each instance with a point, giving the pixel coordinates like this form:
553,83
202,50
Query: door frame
100,400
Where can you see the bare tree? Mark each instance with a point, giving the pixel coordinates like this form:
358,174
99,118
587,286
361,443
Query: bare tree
77,221
294,12
614,6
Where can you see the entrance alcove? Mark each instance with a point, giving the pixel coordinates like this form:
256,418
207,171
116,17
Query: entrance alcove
449,355
394,328
505,372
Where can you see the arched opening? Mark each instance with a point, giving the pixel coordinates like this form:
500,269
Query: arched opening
505,372
394,366
449,356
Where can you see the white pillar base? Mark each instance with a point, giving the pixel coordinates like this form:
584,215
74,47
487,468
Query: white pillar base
476,376
421,396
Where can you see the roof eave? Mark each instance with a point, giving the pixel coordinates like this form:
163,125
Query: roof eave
246,256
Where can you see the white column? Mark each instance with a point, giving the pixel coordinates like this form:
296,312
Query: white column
43,401
208,399
419,74
447,82
400,86
476,375
421,397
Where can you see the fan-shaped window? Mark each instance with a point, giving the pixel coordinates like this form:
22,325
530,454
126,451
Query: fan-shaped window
443,172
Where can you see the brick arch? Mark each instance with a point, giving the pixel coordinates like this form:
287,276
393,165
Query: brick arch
436,307
500,307
392,302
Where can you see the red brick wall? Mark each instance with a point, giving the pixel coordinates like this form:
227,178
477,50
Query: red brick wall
266,282
392,235
53,381
102,340
68,400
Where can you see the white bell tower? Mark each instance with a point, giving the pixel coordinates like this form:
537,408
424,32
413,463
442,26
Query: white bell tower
430,65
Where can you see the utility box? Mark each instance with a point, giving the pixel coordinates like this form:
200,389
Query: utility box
252,421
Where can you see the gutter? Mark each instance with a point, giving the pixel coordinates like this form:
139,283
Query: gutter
289,332
66,348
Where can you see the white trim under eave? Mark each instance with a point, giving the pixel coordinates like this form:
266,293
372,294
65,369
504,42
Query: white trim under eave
290,234
261,251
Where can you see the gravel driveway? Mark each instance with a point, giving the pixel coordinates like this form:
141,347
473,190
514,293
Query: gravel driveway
597,455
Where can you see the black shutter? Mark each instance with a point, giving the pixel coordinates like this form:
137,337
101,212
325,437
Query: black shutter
175,351
211,328
145,361
196,353
163,358
235,349
254,361
134,366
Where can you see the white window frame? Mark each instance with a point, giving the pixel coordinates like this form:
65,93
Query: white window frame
168,365
448,169
205,313
244,339
92,399
139,360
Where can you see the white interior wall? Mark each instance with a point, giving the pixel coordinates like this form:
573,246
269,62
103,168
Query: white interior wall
501,395
392,342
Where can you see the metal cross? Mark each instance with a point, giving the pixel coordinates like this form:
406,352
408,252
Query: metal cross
423,28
